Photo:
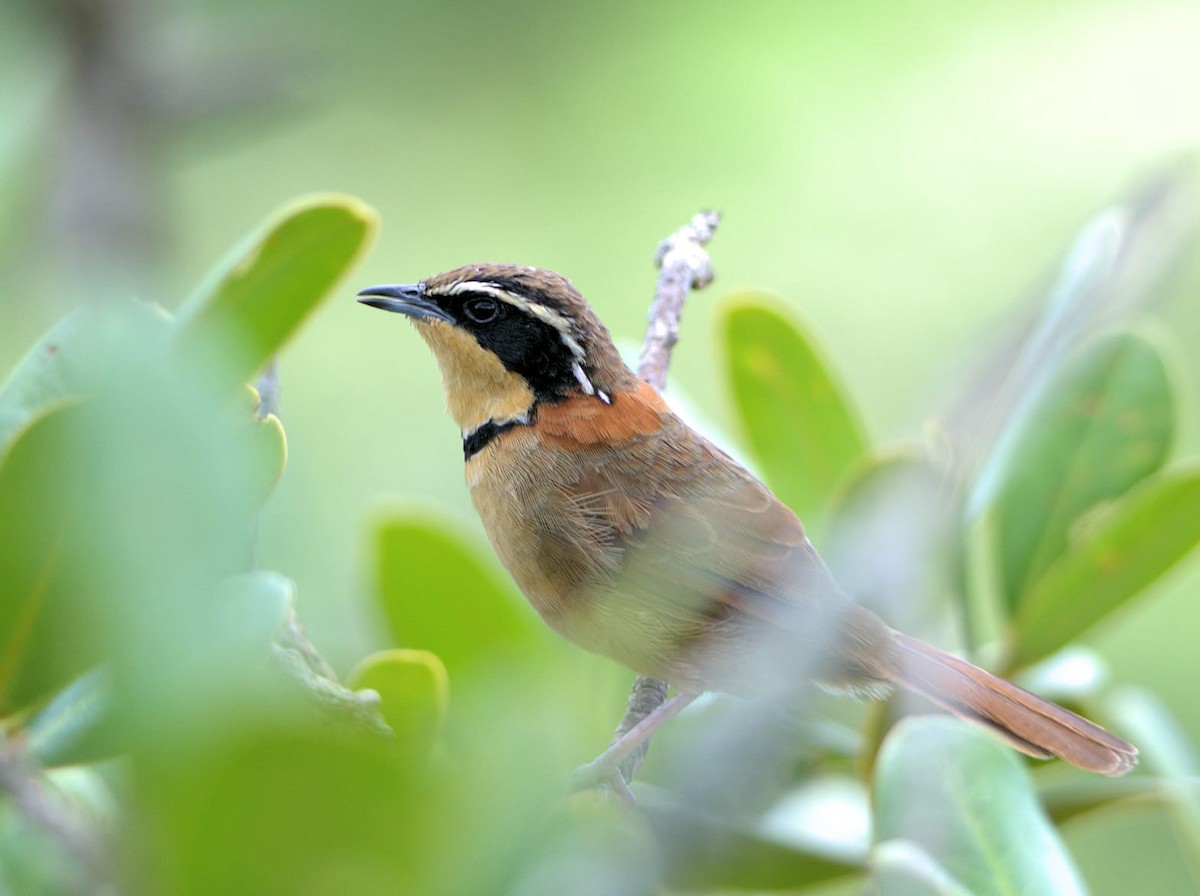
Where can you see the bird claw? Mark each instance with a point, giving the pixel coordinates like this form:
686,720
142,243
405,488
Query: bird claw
603,774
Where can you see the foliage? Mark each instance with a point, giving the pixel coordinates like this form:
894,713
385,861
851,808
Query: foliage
145,665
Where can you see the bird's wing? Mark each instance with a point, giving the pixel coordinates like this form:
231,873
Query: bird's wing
699,543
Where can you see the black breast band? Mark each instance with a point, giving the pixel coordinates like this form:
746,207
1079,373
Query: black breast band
479,438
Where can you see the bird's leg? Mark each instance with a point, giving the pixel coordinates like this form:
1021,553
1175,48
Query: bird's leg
606,768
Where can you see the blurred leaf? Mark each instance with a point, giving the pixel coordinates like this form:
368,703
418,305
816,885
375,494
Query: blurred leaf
49,372
1166,751
281,812
592,846
1133,543
1077,794
313,808
76,726
801,427
439,595
412,688
704,851
275,280
1015,370
162,513
63,364
260,599
901,868
32,861
967,803
45,640
1100,427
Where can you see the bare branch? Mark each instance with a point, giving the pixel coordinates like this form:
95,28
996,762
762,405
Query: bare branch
683,265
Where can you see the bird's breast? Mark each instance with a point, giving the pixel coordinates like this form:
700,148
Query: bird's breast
523,493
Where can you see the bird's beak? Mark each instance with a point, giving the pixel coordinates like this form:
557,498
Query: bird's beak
406,298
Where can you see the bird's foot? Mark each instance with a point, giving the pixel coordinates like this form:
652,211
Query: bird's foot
605,769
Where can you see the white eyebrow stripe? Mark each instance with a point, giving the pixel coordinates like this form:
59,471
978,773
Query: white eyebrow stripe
546,315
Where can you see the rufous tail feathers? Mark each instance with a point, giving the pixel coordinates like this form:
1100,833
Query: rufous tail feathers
1032,725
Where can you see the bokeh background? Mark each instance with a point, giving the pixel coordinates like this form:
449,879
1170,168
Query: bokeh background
905,176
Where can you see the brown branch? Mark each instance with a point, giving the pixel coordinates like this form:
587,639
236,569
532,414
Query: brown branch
683,266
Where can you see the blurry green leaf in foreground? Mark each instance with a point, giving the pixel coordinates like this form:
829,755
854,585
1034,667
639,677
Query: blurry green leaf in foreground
301,806
1099,427
275,280
702,851
1134,542
801,426
76,726
46,638
281,812
50,372
1170,756
439,595
967,803
412,689
901,868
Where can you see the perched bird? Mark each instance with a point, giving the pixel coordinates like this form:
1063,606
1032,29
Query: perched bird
635,537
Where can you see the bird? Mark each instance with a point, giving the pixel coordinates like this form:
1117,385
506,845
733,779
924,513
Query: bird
637,538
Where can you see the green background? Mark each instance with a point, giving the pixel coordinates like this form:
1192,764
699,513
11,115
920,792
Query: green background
904,175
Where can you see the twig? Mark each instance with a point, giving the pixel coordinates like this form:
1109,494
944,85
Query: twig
683,266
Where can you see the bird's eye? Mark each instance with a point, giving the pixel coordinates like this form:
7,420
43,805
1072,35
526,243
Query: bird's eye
482,311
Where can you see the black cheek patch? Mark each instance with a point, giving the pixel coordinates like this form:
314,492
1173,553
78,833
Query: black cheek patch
532,349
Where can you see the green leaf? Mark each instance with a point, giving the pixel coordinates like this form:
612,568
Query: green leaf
439,594
1131,545
273,282
49,372
1103,424
966,801
589,830
706,851
1072,795
412,688
45,640
63,364
801,427
76,726
264,811
1166,751
260,600
902,868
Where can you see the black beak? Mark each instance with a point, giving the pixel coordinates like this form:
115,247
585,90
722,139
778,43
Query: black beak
405,298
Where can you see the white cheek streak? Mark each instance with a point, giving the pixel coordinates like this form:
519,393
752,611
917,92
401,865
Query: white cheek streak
582,378
586,385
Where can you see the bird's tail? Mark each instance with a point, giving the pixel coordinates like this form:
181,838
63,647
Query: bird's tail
1027,722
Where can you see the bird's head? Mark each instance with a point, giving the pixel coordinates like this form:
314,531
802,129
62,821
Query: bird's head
506,338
